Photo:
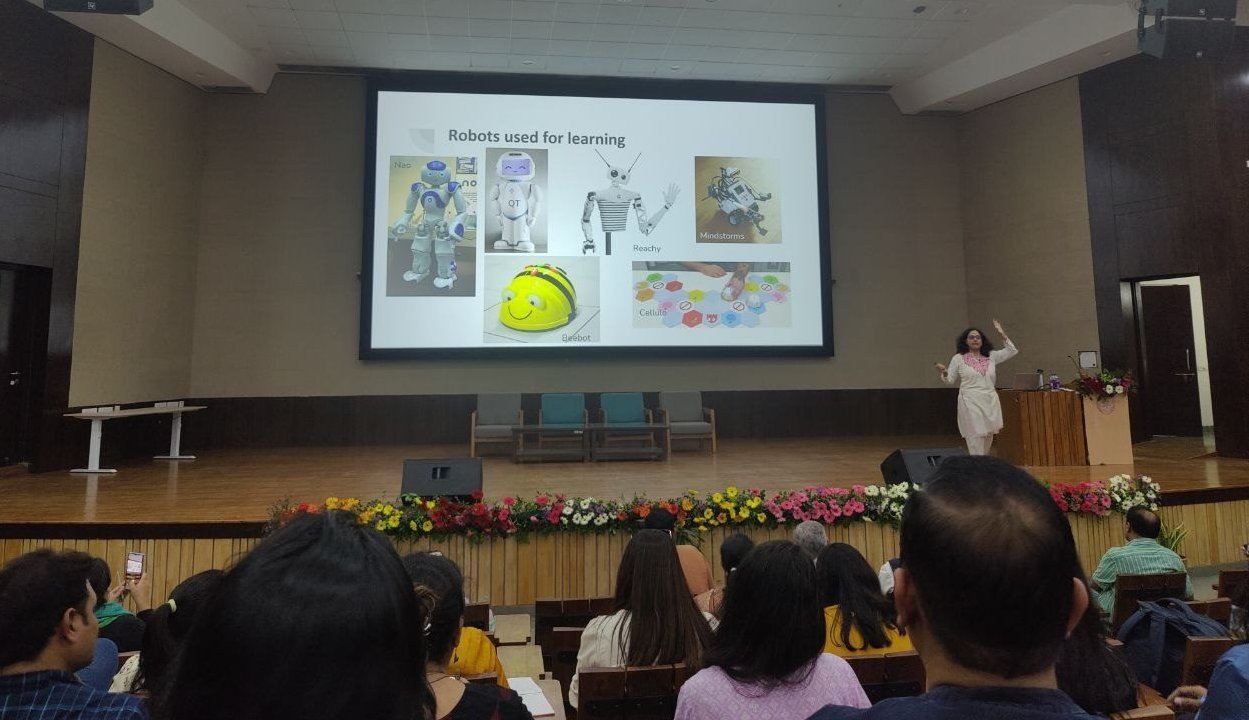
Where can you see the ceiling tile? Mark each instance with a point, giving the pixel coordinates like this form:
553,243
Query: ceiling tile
488,62
830,43
321,5
447,9
573,48
488,28
529,46
527,64
293,53
684,52
407,42
645,51
936,29
274,17
960,10
878,27
448,43
919,45
576,12
716,53
763,40
447,26
333,55
360,41
609,49
326,38
659,16
571,31
900,9
284,36
448,61
612,33
359,22
489,46
653,35
618,13
269,3
489,9
318,20
522,10
692,36
827,7
406,24
530,29
846,60
638,67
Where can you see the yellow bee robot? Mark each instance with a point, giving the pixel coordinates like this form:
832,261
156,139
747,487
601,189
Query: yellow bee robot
540,297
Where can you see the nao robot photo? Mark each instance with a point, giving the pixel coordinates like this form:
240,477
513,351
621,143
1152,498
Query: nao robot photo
613,207
515,200
432,195
737,199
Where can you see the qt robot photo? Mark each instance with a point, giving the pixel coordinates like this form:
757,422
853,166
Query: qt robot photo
516,200
741,196
613,204
434,237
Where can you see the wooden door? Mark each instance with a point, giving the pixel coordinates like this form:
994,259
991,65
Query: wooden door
1169,358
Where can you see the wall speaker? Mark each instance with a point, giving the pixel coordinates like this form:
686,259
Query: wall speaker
100,7
454,477
915,465
1187,29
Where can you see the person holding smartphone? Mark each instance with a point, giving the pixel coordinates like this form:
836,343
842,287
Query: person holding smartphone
116,622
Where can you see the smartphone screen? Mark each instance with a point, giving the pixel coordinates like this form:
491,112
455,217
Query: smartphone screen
134,564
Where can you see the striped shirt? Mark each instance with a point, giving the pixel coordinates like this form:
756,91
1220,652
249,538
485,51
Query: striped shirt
1141,556
55,695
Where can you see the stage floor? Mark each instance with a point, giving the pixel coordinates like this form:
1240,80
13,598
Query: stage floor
241,485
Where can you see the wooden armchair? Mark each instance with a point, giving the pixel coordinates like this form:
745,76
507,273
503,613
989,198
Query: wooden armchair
633,693
625,409
686,418
1218,609
492,421
1229,581
1131,589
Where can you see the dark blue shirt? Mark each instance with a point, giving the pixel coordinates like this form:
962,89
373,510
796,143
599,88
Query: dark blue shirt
948,702
1229,687
54,695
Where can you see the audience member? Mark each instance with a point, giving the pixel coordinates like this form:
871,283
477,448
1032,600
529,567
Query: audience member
987,593
732,551
1141,556
810,536
694,566
474,653
440,588
319,622
98,674
1092,673
885,576
116,622
1228,694
167,626
655,620
858,620
48,631
765,660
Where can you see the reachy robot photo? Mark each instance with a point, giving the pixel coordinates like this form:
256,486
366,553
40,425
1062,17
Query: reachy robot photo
515,200
737,199
614,203
431,196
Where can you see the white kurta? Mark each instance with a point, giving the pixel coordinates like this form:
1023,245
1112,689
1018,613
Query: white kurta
979,411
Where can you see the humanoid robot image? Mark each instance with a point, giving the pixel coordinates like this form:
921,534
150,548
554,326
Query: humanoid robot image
431,196
737,199
613,207
515,200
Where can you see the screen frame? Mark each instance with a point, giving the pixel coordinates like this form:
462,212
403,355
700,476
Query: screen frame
592,87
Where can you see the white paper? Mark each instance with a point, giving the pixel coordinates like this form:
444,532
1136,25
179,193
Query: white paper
532,696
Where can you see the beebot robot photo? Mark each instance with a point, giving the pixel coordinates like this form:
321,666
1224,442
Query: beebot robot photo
613,204
434,235
738,200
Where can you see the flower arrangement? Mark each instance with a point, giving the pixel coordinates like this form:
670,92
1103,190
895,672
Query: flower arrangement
1106,384
414,518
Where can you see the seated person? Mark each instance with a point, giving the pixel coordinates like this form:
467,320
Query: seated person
440,588
694,566
1141,556
474,654
1228,694
48,632
117,623
810,536
655,622
318,622
858,620
765,660
167,626
987,593
98,674
732,551
1093,674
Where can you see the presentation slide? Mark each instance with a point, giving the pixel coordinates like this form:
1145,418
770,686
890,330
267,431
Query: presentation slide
539,221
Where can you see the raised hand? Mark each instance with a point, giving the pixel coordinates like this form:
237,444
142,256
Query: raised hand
940,368
670,195
998,326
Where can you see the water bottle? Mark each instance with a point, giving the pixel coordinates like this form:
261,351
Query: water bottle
1056,383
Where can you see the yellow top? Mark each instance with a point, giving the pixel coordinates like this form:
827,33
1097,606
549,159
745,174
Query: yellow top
475,655
832,637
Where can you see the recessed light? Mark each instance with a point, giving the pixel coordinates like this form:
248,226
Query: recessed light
526,62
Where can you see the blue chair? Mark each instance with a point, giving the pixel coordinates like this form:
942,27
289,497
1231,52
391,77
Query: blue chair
624,409
562,410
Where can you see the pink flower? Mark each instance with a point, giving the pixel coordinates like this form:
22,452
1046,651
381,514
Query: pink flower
859,489
504,514
542,500
834,511
800,515
509,501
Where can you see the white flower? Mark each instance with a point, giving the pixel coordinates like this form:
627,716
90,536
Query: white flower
1110,389
1118,389
600,520
568,510
872,490
585,503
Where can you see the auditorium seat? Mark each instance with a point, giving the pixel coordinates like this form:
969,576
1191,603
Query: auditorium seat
888,675
477,615
1200,655
1230,581
1131,589
635,693
686,418
550,613
493,419
562,410
1218,609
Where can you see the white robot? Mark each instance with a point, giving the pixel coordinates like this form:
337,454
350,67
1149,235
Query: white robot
515,201
432,194
737,199
613,207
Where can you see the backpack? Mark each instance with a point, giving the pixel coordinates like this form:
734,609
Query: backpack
1154,637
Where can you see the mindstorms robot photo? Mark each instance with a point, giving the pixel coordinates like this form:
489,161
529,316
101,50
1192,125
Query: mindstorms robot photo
613,207
738,200
431,196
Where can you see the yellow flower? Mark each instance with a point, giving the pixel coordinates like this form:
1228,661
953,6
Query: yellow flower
727,506
381,525
331,503
687,504
731,491
412,525
761,517
351,503
366,517
393,521
429,504
707,513
702,528
717,498
744,514
427,526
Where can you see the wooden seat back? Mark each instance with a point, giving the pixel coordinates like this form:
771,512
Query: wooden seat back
477,615
632,693
563,646
888,675
1200,655
1229,581
550,613
1131,589
1218,609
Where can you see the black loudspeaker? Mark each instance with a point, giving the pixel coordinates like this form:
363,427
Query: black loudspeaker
99,7
453,477
915,465
1188,29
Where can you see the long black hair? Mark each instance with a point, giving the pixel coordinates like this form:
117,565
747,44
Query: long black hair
166,627
665,626
1092,673
960,344
772,625
319,622
440,587
733,550
847,581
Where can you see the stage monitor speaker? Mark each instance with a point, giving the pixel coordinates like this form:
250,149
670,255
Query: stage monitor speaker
1188,29
99,7
453,477
915,465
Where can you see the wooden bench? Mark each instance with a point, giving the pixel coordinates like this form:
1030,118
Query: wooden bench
888,675
1229,581
97,416
632,693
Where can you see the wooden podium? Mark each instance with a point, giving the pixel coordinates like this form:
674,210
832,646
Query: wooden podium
1108,431
1041,428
